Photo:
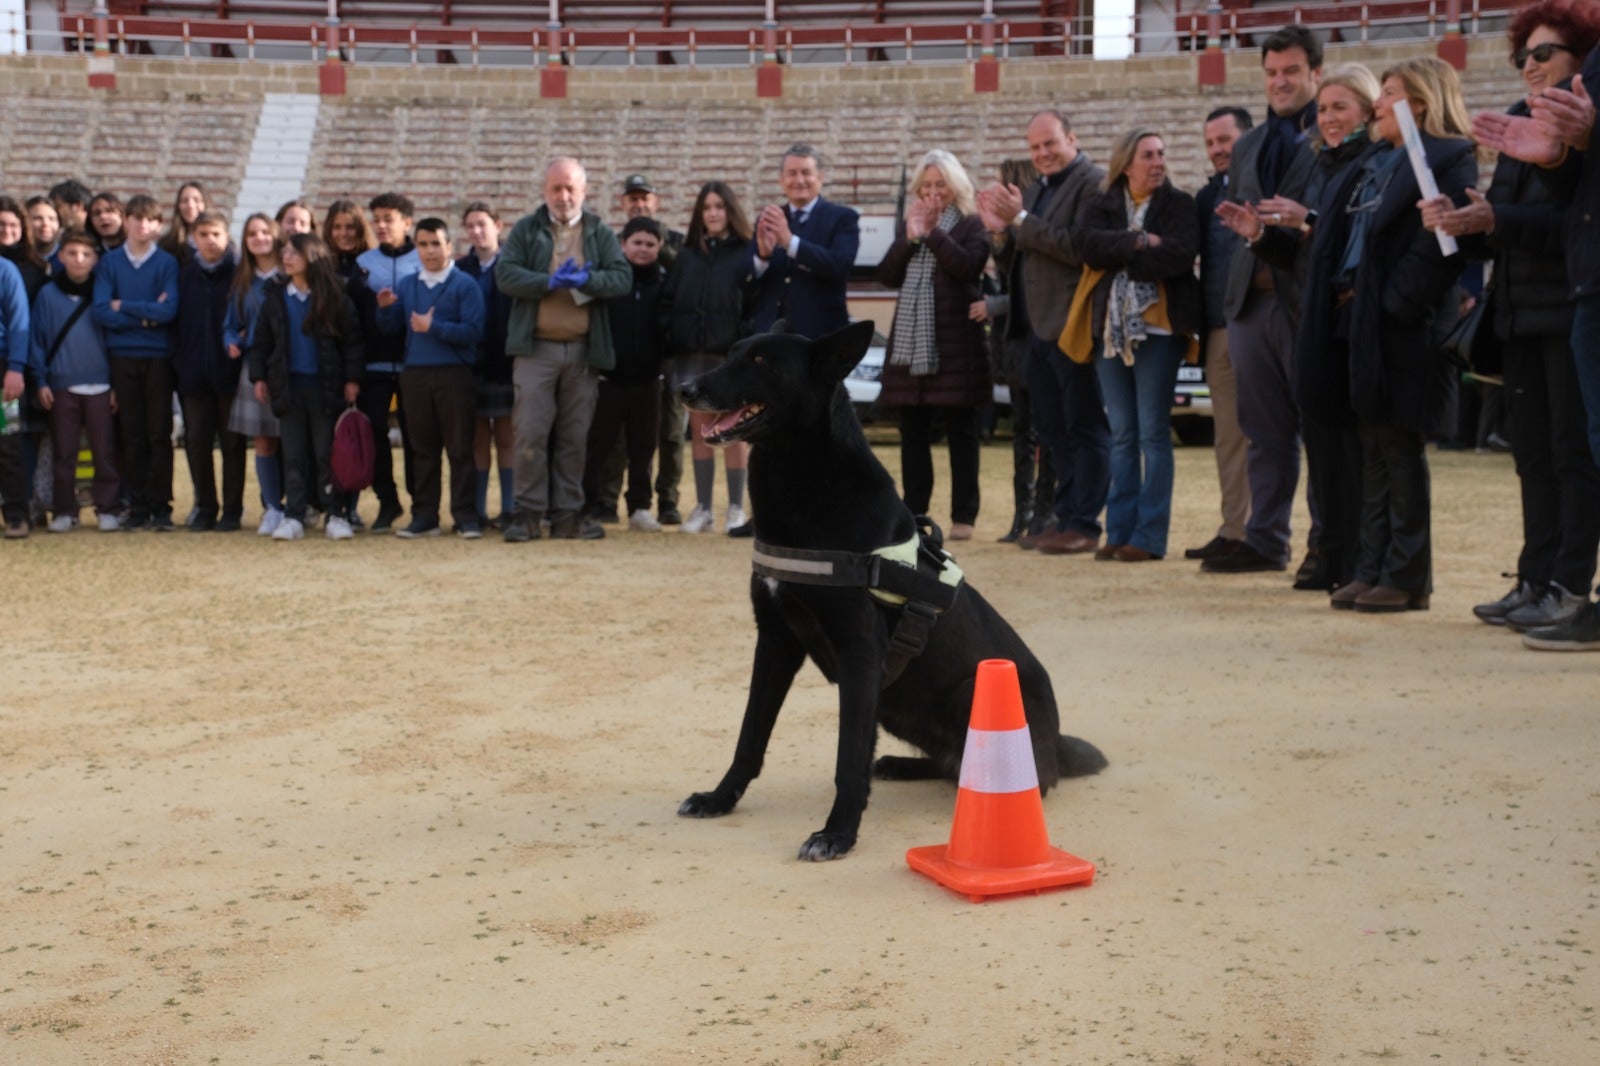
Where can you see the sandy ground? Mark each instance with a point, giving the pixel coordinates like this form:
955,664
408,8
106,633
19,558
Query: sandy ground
389,802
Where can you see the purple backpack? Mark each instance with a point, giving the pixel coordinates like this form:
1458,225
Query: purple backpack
351,463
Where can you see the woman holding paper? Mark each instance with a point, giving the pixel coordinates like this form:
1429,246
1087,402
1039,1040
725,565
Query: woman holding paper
1519,225
1378,296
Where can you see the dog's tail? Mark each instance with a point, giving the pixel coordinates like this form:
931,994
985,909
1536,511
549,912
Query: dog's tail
1078,758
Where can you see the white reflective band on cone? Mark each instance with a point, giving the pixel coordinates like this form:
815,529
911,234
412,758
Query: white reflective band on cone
998,761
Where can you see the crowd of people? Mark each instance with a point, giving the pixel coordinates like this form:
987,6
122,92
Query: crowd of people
1310,275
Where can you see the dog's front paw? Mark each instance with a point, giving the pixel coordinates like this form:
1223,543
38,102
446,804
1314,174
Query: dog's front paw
823,845
707,805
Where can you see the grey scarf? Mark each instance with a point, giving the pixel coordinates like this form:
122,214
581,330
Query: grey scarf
915,343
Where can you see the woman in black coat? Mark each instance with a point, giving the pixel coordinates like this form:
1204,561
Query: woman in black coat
1519,225
1142,235
707,297
1379,296
937,363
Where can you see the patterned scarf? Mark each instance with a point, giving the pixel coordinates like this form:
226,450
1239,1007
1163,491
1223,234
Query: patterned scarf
1125,328
914,340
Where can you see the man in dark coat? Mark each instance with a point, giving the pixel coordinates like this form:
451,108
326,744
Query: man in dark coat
804,251
1033,232
1261,302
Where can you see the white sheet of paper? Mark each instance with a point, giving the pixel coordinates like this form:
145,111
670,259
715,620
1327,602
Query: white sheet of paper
1419,167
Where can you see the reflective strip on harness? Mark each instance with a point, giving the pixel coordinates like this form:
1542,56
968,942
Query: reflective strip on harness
998,761
792,566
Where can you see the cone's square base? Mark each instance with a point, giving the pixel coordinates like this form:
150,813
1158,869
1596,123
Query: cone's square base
1057,871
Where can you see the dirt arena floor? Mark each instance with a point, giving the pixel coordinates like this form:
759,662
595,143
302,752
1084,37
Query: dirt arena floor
390,802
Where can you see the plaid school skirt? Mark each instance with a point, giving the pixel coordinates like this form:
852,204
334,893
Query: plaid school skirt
249,415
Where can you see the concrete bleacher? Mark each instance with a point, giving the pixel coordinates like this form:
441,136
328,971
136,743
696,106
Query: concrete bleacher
446,139
125,144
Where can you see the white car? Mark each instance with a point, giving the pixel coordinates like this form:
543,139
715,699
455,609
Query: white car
863,386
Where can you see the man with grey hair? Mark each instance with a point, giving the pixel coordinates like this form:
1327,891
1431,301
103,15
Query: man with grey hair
803,252
556,264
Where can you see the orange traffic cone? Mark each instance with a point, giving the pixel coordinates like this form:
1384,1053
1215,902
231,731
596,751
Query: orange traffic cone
998,841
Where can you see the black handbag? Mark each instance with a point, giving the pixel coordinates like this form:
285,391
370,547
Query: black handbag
1471,345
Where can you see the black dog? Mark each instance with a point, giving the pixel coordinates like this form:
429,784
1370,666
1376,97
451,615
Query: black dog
820,495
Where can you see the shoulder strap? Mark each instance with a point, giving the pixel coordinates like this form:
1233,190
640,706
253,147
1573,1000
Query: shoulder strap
66,328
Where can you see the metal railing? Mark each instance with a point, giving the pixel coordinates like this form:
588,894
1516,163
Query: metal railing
840,44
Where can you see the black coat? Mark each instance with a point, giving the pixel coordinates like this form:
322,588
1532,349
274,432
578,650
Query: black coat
1108,244
962,379
1403,302
339,359
200,363
1528,247
638,328
493,365
708,296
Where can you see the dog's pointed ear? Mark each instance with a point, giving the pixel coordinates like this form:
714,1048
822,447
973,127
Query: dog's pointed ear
836,355
780,326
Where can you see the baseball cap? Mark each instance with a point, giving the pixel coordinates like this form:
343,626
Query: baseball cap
636,183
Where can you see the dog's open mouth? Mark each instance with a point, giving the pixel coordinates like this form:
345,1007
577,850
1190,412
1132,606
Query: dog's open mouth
733,425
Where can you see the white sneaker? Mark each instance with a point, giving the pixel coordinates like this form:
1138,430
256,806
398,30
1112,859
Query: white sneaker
289,529
270,522
699,520
108,523
643,522
339,529
63,523
735,517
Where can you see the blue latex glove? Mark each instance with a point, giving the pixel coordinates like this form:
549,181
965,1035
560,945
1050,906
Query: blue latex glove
569,276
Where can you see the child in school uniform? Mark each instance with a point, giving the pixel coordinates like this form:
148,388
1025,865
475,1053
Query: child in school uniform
384,267
136,300
305,359
207,378
495,392
74,371
441,311
629,403
249,417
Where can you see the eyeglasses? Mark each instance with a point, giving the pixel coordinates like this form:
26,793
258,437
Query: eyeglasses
1540,53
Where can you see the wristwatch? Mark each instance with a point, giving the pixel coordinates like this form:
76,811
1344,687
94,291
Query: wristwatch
1016,219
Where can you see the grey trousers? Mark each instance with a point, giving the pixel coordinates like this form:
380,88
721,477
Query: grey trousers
1261,343
1233,468
555,391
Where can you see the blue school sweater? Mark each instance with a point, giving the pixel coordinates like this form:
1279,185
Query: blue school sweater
13,317
385,268
239,323
458,317
81,359
142,328
303,361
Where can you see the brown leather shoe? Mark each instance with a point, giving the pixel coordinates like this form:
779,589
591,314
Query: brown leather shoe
1385,600
1130,554
1067,542
1030,540
1344,598
1107,552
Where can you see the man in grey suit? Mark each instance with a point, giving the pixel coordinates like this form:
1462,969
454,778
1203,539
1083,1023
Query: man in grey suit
1033,234
1262,303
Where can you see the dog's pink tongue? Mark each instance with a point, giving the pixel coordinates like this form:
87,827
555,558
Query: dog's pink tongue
723,424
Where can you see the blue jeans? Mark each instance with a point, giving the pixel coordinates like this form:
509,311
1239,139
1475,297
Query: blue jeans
1586,352
1071,421
1139,408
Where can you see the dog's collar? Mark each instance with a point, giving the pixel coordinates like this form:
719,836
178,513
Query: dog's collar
935,585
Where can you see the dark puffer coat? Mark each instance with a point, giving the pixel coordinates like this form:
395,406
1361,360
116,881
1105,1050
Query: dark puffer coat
963,376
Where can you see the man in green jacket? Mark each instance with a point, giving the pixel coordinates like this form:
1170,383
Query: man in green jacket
556,265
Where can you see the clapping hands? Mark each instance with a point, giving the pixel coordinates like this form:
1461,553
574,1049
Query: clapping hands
570,275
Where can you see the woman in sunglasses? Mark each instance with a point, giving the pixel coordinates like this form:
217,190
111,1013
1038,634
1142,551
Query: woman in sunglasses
1518,226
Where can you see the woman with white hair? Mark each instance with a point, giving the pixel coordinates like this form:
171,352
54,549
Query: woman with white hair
937,365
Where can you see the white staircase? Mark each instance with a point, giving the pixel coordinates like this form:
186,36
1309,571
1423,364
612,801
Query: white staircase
279,155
